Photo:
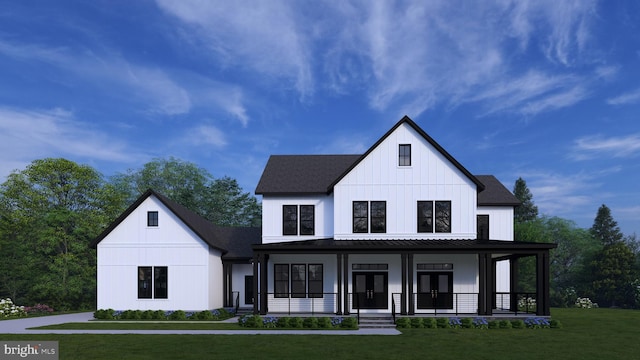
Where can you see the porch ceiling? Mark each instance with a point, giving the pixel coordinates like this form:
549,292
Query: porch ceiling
397,246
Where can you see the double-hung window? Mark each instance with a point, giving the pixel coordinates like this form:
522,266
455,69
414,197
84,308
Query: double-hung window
370,216
404,155
152,218
304,280
434,216
292,224
298,280
281,280
152,282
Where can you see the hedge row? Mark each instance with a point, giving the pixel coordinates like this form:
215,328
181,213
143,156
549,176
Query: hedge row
110,314
257,321
476,323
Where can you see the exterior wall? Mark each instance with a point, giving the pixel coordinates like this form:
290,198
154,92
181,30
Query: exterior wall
237,280
394,277
132,244
272,217
216,279
326,304
500,221
430,177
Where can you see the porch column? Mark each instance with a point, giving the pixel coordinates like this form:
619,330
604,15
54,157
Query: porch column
486,283
264,296
513,283
339,294
227,286
403,295
256,293
345,269
494,271
542,284
412,307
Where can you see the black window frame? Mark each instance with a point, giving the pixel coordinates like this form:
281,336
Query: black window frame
425,216
315,281
378,217
307,219
280,281
404,155
298,280
289,219
360,217
160,282
442,224
145,282
152,219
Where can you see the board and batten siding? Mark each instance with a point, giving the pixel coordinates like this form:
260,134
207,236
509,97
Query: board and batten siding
194,270
431,176
272,217
500,221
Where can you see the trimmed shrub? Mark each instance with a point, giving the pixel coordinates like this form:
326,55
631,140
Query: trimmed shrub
517,324
349,323
270,322
429,323
466,323
204,315
493,324
104,314
295,322
417,323
324,323
159,315
283,322
442,323
555,324
147,315
504,324
403,323
480,323
310,323
178,315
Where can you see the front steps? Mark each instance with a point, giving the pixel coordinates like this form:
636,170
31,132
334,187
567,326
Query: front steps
376,322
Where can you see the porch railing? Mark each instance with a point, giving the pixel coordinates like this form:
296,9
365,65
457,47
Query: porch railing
517,302
325,303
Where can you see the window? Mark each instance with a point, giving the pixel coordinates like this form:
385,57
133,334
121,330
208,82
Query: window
378,220
425,216
483,227
307,219
404,155
290,219
360,216
378,216
298,281
158,282
426,221
443,216
152,218
144,282
315,280
281,280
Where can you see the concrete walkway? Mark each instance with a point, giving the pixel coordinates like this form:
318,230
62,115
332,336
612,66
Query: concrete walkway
21,326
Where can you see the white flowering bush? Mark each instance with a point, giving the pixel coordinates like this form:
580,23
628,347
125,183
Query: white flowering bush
527,304
10,310
585,303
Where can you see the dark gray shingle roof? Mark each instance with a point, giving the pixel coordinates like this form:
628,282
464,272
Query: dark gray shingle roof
495,193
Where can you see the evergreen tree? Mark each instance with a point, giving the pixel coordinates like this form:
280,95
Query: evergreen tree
527,210
604,228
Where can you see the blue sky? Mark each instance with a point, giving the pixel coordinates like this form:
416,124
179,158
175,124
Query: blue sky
544,90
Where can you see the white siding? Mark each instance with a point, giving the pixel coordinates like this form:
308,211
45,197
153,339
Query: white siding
500,221
430,177
237,281
272,217
172,244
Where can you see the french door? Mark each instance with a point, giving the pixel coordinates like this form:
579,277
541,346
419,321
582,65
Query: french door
370,290
435,290
248,289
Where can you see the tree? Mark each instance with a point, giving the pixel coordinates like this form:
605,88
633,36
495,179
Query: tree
527,211
50,213
612,267
605,228
220,201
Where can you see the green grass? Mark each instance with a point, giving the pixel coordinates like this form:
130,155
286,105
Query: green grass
586,334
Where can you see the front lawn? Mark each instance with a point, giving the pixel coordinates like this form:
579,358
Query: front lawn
586,334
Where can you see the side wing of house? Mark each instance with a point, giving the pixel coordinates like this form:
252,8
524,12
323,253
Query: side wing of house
153,260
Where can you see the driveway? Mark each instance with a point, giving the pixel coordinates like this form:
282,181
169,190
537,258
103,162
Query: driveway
20,326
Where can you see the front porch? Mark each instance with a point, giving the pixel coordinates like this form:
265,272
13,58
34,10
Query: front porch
403,278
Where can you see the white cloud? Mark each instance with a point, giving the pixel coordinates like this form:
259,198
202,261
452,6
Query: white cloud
267,37
26,135
206,135
589,147
632,97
